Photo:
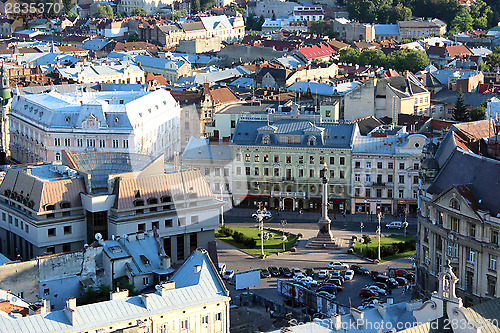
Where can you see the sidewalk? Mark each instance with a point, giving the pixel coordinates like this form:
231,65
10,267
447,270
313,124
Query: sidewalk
295,216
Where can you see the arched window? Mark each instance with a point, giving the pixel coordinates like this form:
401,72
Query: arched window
265,139
58,156
454,204
312,141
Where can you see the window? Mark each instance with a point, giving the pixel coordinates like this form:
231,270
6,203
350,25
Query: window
332,173
58,156
455,250
218,316
125,143
256,158
67,230
450,250
79,142
145,281
301,159
415,180
389,178
46,292
379,165
155,225
51,232
247,171
454,204
301,172
57,141
168,223
416,166
342,161
356,177
102,143
357,165
217,171
247,157
332,160
368,178
238,157
184,324
141,227
204,319
266,158
276,159
311,173
494,237
415,194
226,172
207,171
390,165
265,139
288,159
342,174
492,262
256,171
401,179
322,160
276,172
368,164
311,159
472,230
472,256
455,224
389,192
238,171
368,193
401,166
357,192
67,142
266,171
379,193
401,194
492,286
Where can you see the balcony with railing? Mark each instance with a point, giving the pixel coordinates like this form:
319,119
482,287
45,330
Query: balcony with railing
288,194
378,184
288,179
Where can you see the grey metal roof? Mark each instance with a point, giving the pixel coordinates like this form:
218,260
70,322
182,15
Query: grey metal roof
334,135
201,149
378,145
450,97
481,174
191,290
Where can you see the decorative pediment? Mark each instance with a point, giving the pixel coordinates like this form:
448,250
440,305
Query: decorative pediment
91,123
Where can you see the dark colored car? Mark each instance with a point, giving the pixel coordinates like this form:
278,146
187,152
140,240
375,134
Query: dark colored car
264,273
285,271
309,272
374,274
365,292
329,289
392,283
330,284
401,280
358,269
370,300
274,271
379,284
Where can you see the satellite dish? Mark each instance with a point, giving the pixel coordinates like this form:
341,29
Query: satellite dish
98,237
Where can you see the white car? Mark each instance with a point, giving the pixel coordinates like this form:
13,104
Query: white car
296,271
322,274
308,281
337,265
265,214
298,277
394,225
228,275
349,274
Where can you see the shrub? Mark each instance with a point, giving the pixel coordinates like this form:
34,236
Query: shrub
225,231
299,235
367,239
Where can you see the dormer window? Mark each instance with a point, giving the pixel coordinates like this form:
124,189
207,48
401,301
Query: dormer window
265,140
454,204
312,141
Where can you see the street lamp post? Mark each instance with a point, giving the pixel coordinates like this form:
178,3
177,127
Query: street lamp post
283,237
259,216
379,231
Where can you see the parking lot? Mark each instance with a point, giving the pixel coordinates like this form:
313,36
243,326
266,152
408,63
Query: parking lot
305,258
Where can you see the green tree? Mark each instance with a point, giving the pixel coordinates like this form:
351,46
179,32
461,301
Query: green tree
479,112
406,59
492,60
133,37
322,28
195,6
463,21
372,57
349,55
274,17
178,14
460,112
104,11
139,11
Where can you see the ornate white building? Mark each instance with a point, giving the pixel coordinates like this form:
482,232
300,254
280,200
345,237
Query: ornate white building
42,125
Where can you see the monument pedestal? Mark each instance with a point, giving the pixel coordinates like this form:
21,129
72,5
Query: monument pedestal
325,238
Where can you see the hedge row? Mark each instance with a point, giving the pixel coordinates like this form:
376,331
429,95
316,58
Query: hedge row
238,237
390,250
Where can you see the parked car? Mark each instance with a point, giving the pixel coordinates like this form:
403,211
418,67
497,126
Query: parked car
222,268
285,271
365,292
298,277
264,273
394,225
378,290
366,306
330,284
309,271
338,282
401,280
296,271
323,274
337,275
404,273
274,271
374,274
372,299
328,289
378,284
265,214
392,283
228,274
325,294
310,281
337,265
349,274
358,269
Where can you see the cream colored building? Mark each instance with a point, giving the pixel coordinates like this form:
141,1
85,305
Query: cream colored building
151,6
417,28
194,300
119,73
42,125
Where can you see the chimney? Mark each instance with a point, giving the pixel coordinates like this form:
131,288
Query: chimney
163,287
336,321
70,310
145,300
118,294
45,308
197,269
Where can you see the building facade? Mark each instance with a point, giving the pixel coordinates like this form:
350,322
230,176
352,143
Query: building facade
385,172
40,126
279,161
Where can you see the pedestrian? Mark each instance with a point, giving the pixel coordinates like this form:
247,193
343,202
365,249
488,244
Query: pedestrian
343,213
403,292
334,216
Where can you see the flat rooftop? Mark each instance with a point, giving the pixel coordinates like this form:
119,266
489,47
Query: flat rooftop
249,108
48,172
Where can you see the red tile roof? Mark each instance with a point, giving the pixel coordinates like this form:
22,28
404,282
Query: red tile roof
317,51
